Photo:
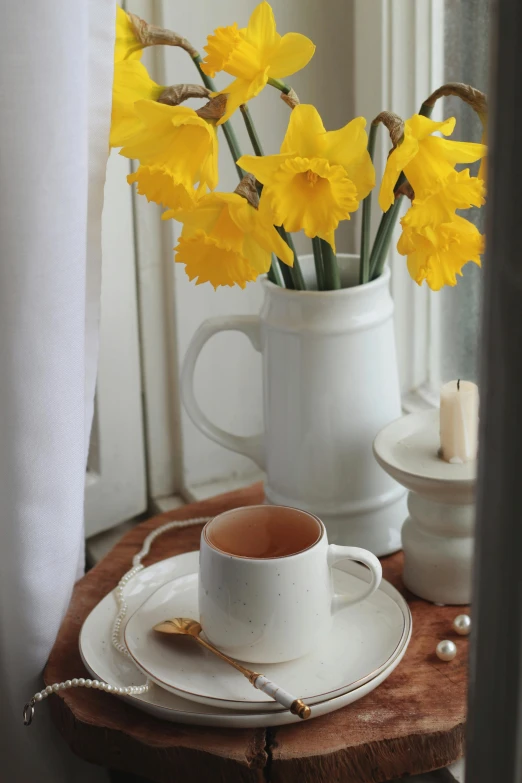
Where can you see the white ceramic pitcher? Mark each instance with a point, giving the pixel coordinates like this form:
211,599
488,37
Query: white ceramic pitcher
330,385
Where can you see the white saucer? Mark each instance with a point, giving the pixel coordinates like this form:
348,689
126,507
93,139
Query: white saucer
362,643
105,663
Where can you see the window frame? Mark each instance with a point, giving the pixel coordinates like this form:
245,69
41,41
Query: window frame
399,61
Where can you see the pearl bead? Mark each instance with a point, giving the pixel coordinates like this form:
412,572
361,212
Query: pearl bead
38,697
74,682
446,650
81,681
462,624
55,687
68,683
88,683
49,689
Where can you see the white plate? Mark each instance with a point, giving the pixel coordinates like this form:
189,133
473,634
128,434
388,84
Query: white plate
105,663
362,643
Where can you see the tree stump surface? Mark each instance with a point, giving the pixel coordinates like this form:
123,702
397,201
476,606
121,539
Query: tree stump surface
414,722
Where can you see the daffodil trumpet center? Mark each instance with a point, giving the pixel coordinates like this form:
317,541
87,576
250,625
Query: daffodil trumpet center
312,177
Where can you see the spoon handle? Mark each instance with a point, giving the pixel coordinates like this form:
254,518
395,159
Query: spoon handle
296,706
259,681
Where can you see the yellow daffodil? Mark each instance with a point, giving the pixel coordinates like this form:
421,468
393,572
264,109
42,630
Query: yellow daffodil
437,253
131,83
177,149
254,54
319,177
457,191
127,45
427,161
225,241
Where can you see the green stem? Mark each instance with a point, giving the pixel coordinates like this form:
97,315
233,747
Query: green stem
318,261
364,268
286,271
295,271
252,133
332,278
384,235
274,275
279,85
228,130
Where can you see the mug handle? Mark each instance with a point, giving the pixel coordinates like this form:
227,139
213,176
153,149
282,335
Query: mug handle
336,554
250,325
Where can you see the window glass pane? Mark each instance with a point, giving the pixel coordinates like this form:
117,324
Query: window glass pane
466,37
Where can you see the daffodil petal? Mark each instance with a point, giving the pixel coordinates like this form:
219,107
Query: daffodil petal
329,236
126,45
158,185
454,152
293,53
347,144
347,147
305,135
421,127
261,28
258,256
269,239
397,160
240,91
131,84
263,168
206,261
259,224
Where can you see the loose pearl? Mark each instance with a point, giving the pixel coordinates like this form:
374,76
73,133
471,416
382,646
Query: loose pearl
462,624
446,650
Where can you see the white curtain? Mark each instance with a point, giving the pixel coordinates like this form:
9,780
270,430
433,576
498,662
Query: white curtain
55,100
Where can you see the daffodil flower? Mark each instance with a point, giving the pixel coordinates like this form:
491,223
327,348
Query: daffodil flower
177,149
254,54
131,83
226,241
319,177
427,161
437,252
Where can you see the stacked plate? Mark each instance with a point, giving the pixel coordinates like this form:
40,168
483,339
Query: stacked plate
367,642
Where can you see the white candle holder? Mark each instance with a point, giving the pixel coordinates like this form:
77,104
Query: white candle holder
437,536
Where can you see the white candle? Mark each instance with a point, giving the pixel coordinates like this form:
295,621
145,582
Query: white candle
459,410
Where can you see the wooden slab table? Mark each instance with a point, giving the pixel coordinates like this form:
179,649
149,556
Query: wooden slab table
414,722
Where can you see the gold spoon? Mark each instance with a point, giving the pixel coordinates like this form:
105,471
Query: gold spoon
187,627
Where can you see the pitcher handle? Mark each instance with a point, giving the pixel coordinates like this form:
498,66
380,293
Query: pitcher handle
251,446
338,553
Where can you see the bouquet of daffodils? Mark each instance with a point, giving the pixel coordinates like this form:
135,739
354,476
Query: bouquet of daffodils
318,179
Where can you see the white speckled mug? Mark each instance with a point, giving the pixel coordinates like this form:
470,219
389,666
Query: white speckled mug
265,583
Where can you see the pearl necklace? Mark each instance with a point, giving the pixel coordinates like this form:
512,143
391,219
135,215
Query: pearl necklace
81,682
